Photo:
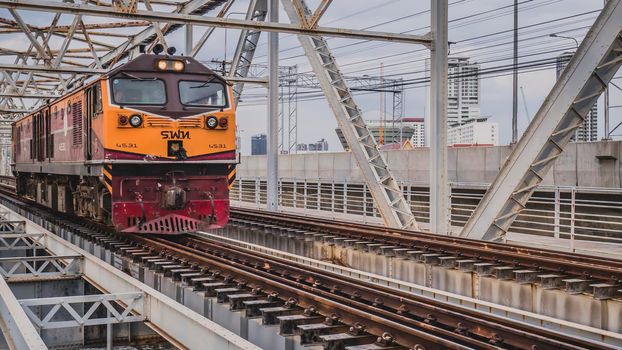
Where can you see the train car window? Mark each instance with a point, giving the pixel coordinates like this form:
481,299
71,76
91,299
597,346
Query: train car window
138,91
98,98
202,93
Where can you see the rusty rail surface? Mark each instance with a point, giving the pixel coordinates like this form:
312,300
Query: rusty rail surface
543,260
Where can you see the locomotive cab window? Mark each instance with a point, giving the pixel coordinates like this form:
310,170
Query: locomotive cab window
202,93
126,91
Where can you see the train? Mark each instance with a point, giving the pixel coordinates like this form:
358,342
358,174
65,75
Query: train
149,147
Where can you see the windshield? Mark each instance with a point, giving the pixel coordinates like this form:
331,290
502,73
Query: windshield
202,93
138,91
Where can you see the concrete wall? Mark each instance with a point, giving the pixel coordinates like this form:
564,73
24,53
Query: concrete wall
595,164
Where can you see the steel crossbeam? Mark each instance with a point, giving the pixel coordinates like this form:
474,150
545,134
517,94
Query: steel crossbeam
11,226
20,268
388,196
21,241
130,304
585,78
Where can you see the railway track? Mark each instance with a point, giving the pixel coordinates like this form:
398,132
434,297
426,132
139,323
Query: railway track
319,306
600,277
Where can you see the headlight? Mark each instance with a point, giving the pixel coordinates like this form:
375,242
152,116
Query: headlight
178,66
122,120
211,122
170,65
136,120
223,122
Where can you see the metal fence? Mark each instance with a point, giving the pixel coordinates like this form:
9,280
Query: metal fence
575,213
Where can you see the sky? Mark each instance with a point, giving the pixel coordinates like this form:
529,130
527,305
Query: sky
479,29
476,30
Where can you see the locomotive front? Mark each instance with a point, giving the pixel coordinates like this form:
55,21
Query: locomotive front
168,145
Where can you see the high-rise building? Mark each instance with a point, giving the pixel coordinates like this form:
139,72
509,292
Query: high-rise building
259,144
418,127
473,132
318,146
588,131
462,90
394,132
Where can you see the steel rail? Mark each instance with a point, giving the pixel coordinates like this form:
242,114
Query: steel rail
446,321
512,255
265,278
555,261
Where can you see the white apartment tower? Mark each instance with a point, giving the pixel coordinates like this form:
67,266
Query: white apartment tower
588,131
463,90
474,132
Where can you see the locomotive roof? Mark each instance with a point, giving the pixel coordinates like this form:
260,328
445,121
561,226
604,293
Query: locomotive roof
147,63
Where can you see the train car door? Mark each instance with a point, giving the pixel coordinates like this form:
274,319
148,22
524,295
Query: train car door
93,107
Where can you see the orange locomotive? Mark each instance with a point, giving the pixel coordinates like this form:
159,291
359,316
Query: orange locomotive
149,147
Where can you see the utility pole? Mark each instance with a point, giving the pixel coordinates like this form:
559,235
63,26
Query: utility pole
188,40
606,107
439,186
515,78
273,110
382,108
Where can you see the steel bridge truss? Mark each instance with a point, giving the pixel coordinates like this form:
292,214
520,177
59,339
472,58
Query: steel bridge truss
93,306
563,111
21,268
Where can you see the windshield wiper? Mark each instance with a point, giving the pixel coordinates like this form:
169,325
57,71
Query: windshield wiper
204,84
137,78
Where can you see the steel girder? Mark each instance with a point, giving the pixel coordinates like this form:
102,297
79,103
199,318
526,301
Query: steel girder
181,19
585,78
389,198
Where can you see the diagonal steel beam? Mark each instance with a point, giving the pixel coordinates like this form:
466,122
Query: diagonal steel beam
318,13
247,44
388,196
28,33
115,54
593,65
87,37
209,31
156,25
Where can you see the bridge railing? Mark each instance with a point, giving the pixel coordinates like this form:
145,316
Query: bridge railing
567,212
